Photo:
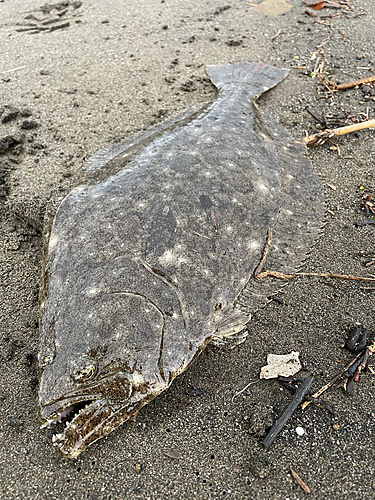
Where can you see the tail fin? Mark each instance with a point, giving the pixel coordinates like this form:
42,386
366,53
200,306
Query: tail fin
259,76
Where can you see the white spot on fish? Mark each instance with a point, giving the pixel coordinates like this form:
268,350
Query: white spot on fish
138,379
52,243
167,256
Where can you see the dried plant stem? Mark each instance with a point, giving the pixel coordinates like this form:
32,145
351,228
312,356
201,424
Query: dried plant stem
329,133
350,85
277,274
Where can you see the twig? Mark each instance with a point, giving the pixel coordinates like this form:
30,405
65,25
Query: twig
372,261
277,34
364,223
277,274
350,85
318,393
10,70
317,402
300,394
328,133
320,120
265,253
301,483
202,236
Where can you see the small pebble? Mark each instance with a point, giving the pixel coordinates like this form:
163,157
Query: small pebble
336,427
300,431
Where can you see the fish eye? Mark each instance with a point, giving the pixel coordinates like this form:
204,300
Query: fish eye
87,373
84,370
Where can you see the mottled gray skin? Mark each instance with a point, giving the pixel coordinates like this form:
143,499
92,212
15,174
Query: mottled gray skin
147,266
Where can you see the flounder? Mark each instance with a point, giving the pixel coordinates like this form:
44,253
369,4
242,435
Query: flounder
154,256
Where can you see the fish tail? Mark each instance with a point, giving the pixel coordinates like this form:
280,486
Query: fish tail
259,77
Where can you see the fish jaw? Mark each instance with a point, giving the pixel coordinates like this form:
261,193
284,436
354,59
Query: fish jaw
95,410
95,421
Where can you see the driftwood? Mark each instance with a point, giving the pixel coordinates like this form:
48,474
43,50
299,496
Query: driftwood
318,138
350,85
298,398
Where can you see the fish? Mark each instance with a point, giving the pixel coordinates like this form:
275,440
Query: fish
153,255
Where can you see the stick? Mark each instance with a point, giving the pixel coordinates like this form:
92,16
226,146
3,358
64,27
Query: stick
317,402
328,133
300,394
10,70
301,483
265,253
202,236
339,276
318,393
364,223
277,274
350,85
277,34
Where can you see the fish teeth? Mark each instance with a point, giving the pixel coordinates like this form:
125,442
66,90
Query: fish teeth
56,437
48,423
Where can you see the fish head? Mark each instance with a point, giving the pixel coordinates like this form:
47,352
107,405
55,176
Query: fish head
94,385
90,399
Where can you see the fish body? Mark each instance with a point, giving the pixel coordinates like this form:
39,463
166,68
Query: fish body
154,258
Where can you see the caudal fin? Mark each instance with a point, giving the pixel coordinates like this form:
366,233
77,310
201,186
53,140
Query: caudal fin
259,76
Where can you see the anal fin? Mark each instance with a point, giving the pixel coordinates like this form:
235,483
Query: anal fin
230,321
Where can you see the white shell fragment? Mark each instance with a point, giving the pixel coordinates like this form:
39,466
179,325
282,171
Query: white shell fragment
284,365
300,431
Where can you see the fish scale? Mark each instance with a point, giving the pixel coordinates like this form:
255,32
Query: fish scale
153,256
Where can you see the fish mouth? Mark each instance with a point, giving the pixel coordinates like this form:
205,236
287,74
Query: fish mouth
85,422
89,414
